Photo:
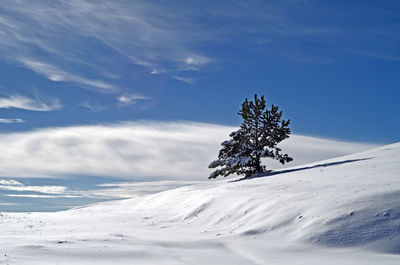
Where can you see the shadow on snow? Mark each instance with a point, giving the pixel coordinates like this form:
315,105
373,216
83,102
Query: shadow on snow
272,173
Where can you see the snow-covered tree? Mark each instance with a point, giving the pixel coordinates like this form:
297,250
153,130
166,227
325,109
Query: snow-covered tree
262,129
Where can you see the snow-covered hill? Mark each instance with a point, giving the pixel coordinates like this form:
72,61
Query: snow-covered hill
339,211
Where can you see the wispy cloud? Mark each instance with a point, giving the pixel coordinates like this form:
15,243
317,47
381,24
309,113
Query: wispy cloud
195,63
148,34
21,102
9,121
198,60
164,38
95,107
42,196
57,75
13,185
101,191
133,189
188,80
129,99
379,55
138,151
159,36
10,182
40,189
8,204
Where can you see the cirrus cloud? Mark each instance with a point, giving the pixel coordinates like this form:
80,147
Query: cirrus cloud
22,102
129,99
8,121
57,75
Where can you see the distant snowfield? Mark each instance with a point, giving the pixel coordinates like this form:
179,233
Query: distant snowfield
339,211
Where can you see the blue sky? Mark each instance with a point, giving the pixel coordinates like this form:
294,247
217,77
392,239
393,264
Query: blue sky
331,66
69,66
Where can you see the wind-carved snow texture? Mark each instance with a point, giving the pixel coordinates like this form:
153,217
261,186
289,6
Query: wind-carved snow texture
339,211
375,225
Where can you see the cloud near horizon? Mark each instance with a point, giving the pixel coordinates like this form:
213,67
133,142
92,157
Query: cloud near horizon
139,151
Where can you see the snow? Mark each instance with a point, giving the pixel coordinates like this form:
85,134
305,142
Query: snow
339,211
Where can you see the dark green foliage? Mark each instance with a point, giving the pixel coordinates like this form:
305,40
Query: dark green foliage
262,129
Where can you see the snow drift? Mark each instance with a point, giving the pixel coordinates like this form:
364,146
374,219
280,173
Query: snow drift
339,211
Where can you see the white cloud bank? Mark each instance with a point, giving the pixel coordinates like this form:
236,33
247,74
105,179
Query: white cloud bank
139,150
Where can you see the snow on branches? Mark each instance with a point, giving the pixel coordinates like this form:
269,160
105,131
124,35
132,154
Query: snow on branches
261,130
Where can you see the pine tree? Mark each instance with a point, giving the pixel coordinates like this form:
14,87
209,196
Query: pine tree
262,129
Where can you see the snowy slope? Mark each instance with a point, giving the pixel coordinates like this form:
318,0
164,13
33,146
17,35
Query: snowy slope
339,211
